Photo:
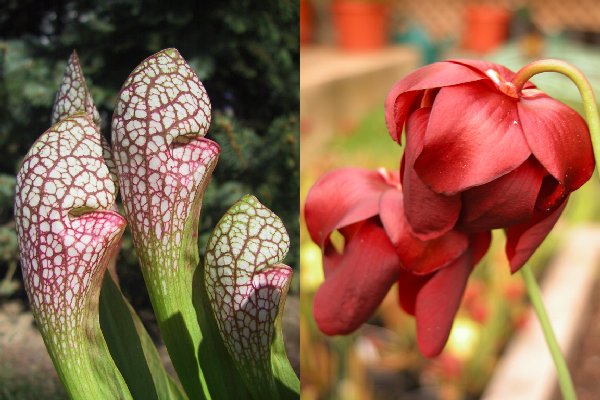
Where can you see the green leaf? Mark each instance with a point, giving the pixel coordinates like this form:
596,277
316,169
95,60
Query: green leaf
132,348
247,285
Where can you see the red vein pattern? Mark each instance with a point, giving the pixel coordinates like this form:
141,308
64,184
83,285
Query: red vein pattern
162,158
73,95
246,283
65,228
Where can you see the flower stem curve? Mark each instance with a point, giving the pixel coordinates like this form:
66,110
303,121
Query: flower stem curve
593,120
583,85
562,371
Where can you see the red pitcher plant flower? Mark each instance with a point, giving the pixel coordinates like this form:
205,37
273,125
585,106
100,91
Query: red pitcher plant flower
482,153
380,249
485,149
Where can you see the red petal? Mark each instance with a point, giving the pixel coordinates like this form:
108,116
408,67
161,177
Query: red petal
397,112
484,66
331,257
417,256
473,137
430,214
506,201
479,245
437,302
505,75
397,105
340,198
522,240
352,292
409,286
558,137
552,194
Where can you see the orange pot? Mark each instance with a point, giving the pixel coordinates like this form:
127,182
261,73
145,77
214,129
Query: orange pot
306,22
360,25
486,27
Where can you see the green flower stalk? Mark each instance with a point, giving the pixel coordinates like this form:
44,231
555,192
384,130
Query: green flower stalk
67,234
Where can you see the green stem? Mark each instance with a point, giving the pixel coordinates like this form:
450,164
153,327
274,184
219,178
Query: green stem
562,371
593,120
80,353
584,87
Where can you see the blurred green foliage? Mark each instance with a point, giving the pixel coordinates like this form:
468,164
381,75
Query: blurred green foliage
245,52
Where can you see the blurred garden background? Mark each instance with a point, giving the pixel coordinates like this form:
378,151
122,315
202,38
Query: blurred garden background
345,76
247,55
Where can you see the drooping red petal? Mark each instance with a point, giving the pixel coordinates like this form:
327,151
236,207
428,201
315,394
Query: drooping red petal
418,257
437,302
506,201
558,137
473,137
410,284
331,257
440,74
352,292
342,197
479,244
430,214
523,239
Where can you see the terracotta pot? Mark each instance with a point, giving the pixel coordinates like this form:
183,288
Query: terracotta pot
360,25
486,27
306,22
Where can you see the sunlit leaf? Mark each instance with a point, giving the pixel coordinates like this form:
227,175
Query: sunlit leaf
132,348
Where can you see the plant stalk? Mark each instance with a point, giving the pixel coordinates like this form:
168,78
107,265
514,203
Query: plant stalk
583,85
593,121
562,371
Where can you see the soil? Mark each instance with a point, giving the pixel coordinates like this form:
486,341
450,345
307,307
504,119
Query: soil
27,373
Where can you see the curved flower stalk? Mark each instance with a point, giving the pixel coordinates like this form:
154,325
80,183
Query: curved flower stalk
164,163
247,284
67,234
